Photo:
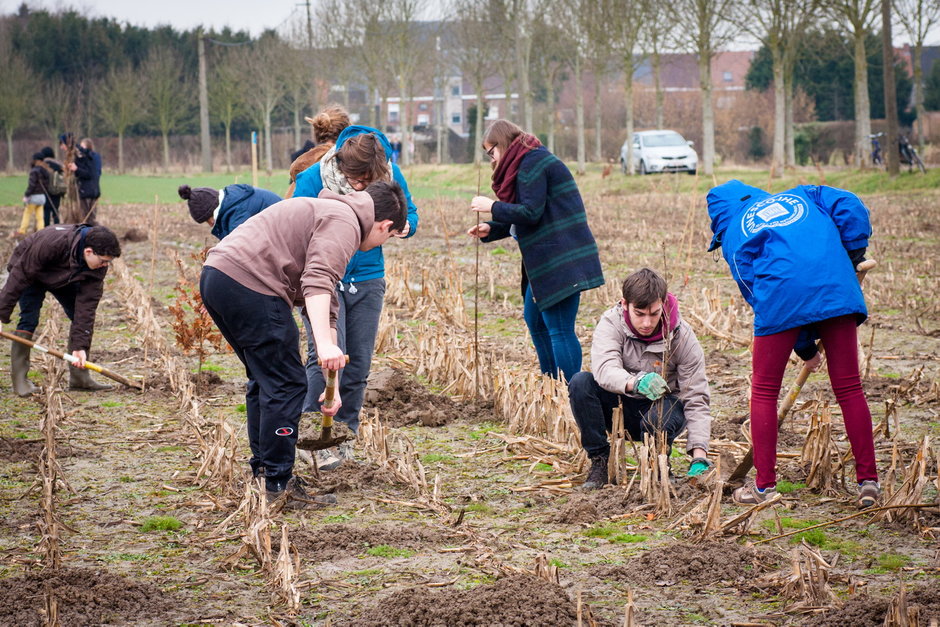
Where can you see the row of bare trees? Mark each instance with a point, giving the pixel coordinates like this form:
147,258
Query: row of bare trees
530,47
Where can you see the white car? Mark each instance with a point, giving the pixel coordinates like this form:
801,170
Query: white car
659,151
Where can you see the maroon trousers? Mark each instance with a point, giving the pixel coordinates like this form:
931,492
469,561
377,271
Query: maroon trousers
771,352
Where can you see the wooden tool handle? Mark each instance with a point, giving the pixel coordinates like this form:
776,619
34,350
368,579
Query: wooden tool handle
69,358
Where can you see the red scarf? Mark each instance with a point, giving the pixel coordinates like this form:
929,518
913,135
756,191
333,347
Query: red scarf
504,177
669,321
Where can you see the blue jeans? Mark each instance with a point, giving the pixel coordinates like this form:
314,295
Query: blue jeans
593,409
262,332
360,306
552,331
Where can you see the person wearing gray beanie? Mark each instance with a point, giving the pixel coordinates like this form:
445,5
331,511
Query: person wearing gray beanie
202,202
226,208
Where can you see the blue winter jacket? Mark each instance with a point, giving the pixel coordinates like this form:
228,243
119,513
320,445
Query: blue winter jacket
787,251
369,264
240,202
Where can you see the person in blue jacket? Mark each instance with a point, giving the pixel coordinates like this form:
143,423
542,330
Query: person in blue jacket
793,256
226,208
361,156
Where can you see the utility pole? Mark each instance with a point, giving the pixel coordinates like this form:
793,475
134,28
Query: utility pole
204,105
309,27
891,100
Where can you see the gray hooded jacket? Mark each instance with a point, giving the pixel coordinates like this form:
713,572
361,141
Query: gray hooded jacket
618,356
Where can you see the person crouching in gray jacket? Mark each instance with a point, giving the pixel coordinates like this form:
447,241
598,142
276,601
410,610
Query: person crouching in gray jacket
631,341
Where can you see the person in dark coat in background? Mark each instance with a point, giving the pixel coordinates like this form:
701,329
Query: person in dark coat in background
87,169
34,196
50,211
794,257
225,209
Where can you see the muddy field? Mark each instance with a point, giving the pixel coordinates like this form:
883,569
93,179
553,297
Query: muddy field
462,505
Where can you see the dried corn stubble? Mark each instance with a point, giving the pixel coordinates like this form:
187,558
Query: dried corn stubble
653,468
218,450
50,473
911,490
820,455
808,582
286,571
256,534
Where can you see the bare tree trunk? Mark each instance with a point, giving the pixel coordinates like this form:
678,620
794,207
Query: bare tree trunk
269,166
790,125
660,94
919,94
204,137
228,146
598,148
478,129
166,152
579,113
522,71
121,152
708,114
549,78
628,104
890,90
404,119
9,149
780,91
297,142
862,102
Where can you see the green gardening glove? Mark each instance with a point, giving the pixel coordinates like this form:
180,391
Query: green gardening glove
651,385
698,466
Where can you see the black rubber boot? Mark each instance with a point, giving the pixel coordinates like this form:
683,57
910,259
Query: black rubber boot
597,476
80,379
19,366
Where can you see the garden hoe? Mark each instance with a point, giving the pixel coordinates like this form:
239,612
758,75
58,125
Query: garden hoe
747,463
327,438
71,359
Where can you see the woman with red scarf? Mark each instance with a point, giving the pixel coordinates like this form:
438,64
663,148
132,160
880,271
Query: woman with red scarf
539,205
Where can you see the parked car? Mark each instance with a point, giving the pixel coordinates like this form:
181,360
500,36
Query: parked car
659,151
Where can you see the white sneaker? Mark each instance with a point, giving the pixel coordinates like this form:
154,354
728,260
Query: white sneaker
327,459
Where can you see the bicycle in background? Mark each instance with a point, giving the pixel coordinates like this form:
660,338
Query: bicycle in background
908,155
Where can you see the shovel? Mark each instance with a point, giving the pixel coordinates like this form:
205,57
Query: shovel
326,439
748,462
72,359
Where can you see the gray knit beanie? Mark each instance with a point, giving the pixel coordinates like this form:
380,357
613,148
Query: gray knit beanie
202,201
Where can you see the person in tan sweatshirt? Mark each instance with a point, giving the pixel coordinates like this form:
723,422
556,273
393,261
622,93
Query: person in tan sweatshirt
292,253
631,342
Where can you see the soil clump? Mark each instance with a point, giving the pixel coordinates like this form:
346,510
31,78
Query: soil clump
15,450
520,600
587,507
403,401
692,564
335,541
352,476
83,597
865,610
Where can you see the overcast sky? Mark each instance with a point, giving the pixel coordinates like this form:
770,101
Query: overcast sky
251,15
